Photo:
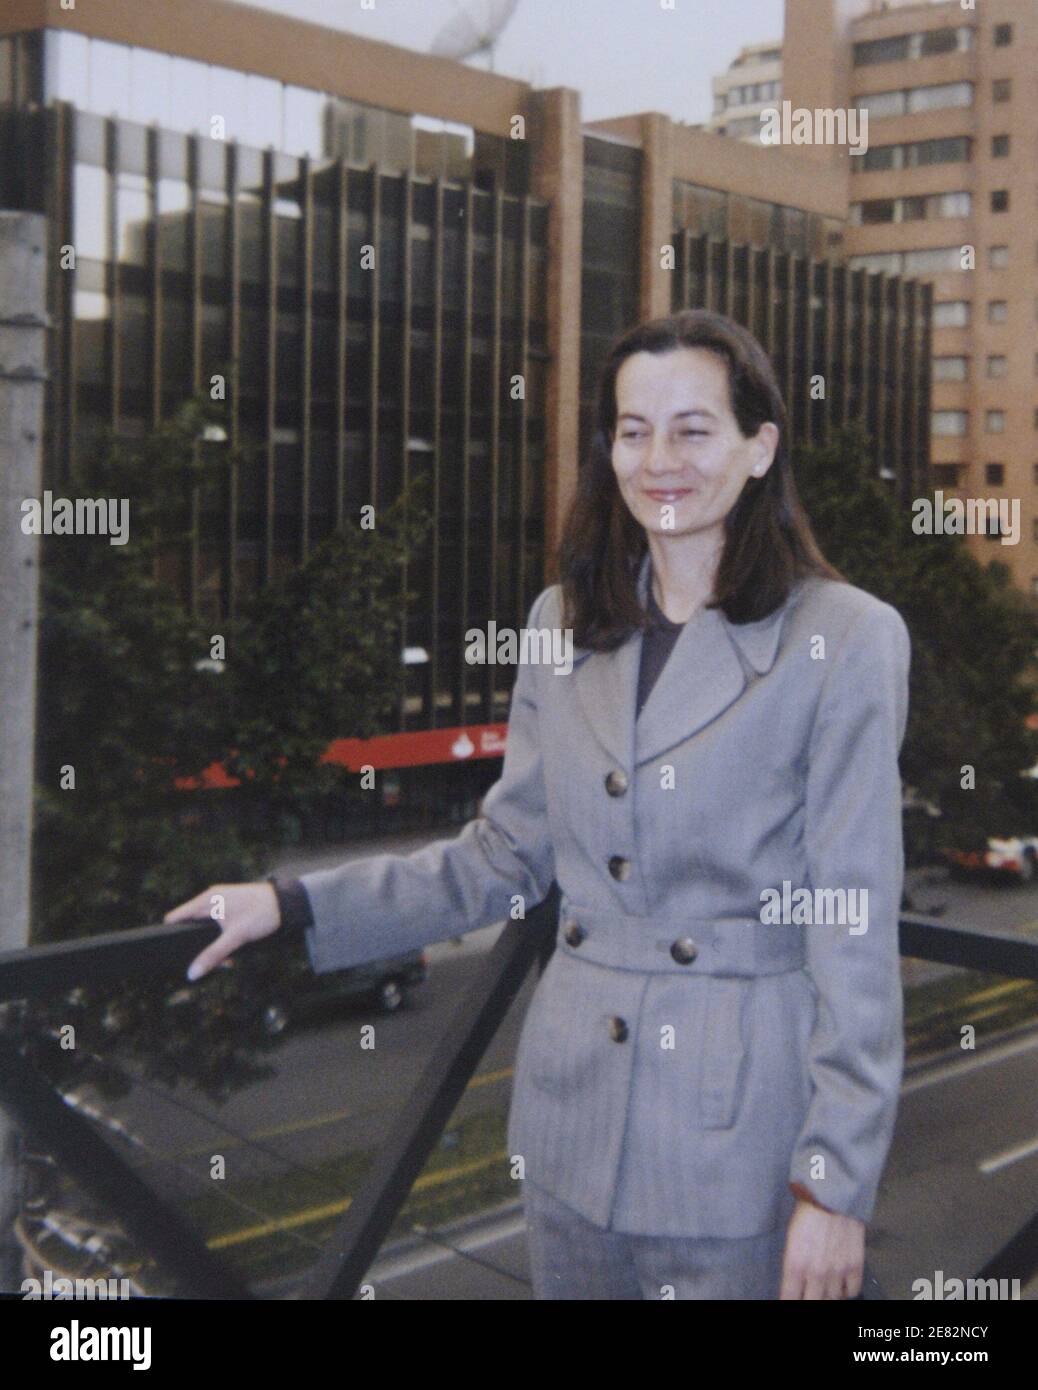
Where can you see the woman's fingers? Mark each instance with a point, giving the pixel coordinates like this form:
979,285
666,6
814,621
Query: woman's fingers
244,911
198,906
213,955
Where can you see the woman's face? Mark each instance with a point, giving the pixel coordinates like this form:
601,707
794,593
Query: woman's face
679,457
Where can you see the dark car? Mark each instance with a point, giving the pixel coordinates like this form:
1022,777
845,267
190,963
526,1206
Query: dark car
382,983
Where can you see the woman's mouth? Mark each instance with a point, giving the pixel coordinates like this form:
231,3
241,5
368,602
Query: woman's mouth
668,494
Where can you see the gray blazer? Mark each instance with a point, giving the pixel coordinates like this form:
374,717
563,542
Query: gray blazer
684,1058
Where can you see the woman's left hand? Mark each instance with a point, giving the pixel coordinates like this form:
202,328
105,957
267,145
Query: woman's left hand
825,1254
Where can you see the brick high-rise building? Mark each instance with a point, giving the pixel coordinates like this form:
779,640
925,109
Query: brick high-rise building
947,190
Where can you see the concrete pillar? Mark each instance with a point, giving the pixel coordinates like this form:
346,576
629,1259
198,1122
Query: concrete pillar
557,167
23,348
657,284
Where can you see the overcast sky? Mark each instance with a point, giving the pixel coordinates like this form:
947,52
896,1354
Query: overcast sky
622,55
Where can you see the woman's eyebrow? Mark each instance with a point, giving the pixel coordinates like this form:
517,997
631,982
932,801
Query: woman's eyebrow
678,415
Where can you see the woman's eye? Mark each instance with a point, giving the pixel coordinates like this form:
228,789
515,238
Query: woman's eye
689,434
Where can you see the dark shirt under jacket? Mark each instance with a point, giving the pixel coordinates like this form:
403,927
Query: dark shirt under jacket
657,645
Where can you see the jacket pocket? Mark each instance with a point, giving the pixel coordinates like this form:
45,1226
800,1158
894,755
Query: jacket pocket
723,1053
557,1045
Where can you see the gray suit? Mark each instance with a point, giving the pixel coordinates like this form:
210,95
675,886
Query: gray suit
682,1060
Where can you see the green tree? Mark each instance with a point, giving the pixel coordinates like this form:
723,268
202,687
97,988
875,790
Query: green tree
130,703
973,639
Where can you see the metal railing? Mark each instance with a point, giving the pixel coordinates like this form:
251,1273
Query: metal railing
350,1252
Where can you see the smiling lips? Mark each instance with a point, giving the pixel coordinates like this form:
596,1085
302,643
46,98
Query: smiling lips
671,495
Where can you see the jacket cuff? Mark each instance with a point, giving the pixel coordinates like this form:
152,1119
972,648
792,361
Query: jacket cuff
293,904
799,1190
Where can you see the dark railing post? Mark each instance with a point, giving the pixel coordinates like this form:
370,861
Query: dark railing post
27,1095
352,1248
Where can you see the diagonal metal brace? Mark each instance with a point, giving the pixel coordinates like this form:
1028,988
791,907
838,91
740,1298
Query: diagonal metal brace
27,1095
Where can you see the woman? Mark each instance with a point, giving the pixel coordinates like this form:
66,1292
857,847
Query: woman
708,1074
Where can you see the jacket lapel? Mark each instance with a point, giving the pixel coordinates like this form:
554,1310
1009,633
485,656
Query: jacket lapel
709,667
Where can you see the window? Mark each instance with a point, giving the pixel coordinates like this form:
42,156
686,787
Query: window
995,473
1003,35
940,96
950,149
876,210
947,474
994,421
882,104
932,260
998,310
888,261
923,44
998,257
879,157
998,366
881,50
951,313
1000,200
948,423
938,41
950,368
1001,89
950,205
999,146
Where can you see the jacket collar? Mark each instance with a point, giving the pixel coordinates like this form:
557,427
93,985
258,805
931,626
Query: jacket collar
712,662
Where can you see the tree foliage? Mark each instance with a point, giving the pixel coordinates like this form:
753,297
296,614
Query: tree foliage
973,639
130,701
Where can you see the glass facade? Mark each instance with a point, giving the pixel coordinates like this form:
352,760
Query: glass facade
737,217
222,226
865,336
199,258
611,253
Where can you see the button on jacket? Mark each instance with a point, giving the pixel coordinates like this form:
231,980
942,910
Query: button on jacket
685,1059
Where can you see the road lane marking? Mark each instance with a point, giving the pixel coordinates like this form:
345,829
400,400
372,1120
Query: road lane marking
326,1210
1008,1156
948,1071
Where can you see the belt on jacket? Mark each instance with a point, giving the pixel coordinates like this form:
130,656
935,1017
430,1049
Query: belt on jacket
677,944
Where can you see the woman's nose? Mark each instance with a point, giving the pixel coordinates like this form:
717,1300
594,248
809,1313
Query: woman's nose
662,456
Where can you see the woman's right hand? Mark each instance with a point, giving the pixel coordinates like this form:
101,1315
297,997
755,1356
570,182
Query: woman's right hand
249,912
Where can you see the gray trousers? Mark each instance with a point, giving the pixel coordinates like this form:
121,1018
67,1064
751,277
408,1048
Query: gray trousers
570,1258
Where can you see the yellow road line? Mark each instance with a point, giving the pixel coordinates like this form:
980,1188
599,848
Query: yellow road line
489,1078
329,1209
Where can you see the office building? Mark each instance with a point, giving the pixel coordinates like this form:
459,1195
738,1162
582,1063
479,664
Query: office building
226,176
946,191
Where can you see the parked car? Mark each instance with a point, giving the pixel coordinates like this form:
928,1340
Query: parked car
383,983
1014,857
303,993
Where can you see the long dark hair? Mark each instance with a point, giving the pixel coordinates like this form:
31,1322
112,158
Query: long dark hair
768,544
